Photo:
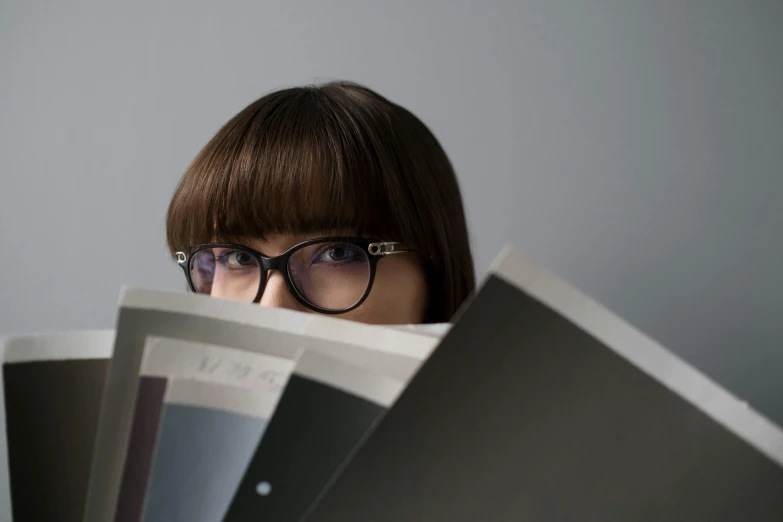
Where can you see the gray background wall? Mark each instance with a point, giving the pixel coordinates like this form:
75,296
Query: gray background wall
634,147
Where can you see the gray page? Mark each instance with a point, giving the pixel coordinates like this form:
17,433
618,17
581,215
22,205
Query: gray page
201,456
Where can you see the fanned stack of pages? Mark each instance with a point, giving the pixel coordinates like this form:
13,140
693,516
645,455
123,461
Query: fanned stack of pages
537,404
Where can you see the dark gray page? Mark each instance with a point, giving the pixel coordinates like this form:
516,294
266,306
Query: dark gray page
520,415
52,412
141,449
312,432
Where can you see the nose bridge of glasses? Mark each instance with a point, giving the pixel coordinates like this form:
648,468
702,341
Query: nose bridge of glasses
271,263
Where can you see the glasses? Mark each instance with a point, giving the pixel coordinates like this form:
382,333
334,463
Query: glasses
327,275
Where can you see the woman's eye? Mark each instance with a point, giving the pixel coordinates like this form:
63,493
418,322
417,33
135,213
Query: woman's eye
337,253
237,259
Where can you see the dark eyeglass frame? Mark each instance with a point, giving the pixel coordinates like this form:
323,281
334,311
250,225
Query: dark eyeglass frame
375,249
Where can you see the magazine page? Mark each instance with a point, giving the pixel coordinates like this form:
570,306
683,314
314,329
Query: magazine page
141,448
206,438
326,409
540,404
275,332
5,486
52,386
165,360
438,330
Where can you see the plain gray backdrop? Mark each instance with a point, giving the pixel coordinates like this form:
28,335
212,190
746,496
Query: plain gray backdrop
633,147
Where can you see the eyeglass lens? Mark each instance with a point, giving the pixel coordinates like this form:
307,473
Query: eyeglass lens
329,275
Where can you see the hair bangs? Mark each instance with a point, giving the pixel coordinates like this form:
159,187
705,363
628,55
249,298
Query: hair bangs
285,165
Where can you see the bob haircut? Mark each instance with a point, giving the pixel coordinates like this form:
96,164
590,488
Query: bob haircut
327,158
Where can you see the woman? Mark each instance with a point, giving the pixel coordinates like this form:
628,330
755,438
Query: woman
328,199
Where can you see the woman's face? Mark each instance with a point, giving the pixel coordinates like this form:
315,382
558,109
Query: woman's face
398,294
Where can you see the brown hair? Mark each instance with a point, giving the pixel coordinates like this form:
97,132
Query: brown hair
336,156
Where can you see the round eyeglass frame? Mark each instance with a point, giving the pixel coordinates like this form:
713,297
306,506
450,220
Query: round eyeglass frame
373,248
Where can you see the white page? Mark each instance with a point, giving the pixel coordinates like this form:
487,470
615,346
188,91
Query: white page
178,359
91,344
225,397
432,329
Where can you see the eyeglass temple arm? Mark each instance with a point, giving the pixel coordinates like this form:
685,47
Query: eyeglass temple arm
182,257
387,247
